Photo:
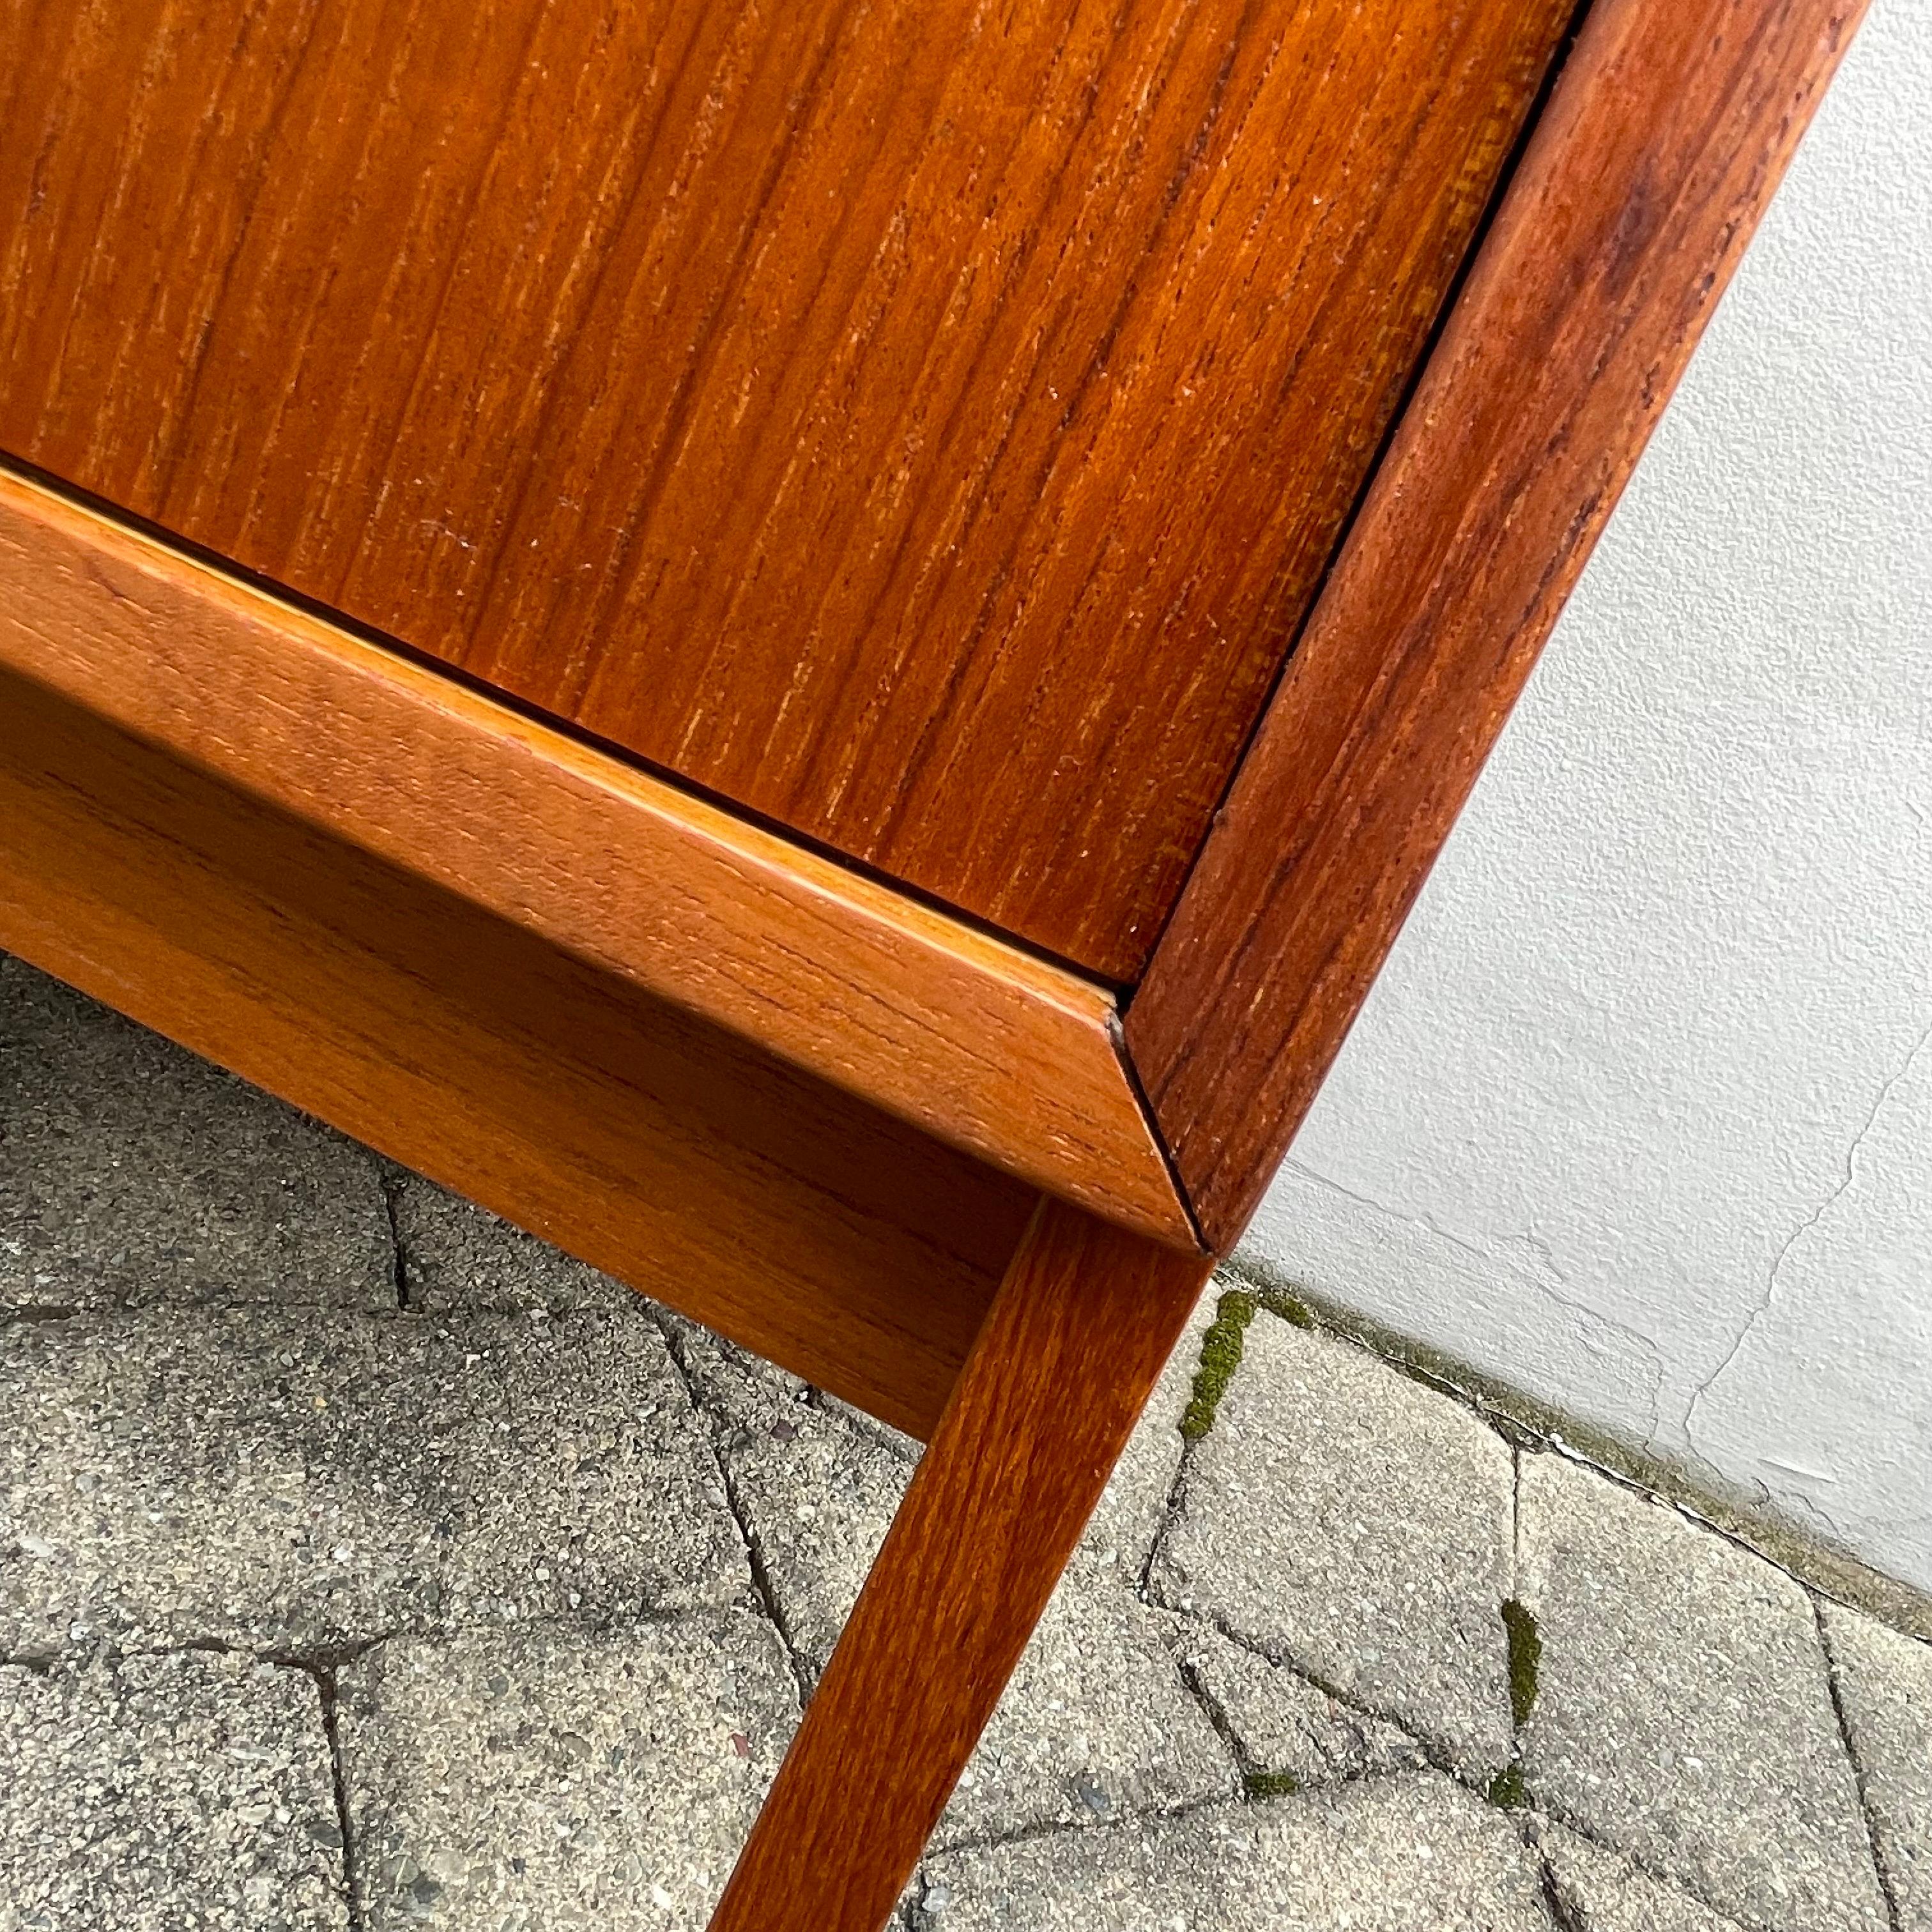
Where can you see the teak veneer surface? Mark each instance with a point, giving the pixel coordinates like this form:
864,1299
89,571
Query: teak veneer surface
858,1252
1670,125
920,422
1005,1056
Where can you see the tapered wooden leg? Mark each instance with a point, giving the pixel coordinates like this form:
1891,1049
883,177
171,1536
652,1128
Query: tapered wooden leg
1080,1328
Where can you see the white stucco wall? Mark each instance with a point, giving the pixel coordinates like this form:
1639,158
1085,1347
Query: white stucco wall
1639,1117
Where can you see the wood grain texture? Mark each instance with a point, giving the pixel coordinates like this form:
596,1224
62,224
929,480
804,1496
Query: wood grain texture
922,421
767,1204
1082,1325
1005,1057
1668,130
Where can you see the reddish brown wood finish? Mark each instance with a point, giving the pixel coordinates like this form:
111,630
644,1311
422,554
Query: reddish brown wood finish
1083,1323
773,1207
1002,1055
923,422
1669,128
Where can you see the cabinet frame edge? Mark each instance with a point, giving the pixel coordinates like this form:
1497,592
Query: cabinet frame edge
1666,130
997,1054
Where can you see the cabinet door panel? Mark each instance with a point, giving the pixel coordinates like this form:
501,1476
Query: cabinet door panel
922,422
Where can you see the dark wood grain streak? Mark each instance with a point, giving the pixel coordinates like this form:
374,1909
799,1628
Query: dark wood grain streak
826,1235
1670,126
1007,1058
1013,1472
922,422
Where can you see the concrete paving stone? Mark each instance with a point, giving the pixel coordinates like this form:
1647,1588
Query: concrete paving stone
1097,1719
161,1792
1097,1723
791,1447
1415,1853
1683,1713
740,1388
1284,1726
1343,1520
546,1775
1600,1891
135,1173
458,1256
1884,1684
817,1491
285,1480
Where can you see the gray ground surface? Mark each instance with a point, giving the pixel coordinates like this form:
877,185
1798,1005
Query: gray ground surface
1884,1689
188,1789
326,1499
1742,1789
1336,1522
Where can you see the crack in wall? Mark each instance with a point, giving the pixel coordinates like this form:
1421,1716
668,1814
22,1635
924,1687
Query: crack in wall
1740,1509
1539,1273
1496,1407
1767,1298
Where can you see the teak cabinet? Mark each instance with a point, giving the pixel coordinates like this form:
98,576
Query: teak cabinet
816,649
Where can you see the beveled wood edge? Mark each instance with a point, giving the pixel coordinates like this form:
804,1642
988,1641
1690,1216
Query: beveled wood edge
1670,125
779,1211
1000,1054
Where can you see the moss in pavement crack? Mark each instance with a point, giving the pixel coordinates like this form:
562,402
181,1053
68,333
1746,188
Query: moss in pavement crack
1526,1659
1266,1784
1220,1356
